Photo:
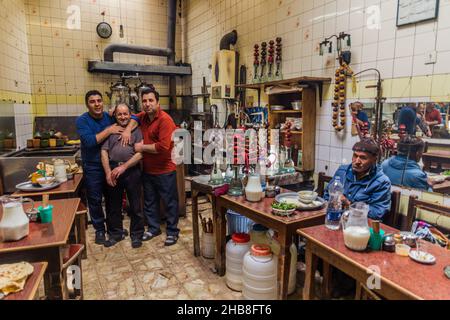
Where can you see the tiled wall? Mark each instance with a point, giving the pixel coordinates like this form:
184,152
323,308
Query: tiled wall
399,53
14,62
59,54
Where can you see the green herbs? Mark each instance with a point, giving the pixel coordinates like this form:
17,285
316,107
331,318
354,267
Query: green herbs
283,206
446,173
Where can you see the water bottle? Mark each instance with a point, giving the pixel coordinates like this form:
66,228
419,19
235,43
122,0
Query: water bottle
334,210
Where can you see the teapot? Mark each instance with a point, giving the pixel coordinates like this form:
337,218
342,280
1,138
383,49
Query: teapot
356,227
14,224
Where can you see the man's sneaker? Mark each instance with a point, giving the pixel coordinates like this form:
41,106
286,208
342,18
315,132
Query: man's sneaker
100,237
171,240
136,243
148,235
111,241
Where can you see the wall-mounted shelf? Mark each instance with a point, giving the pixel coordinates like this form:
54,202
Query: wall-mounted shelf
313,81
286,111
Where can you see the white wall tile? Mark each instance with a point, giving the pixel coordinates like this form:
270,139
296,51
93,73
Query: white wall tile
324,153
443,43
335,154
403,67
404,47
386,49
324,138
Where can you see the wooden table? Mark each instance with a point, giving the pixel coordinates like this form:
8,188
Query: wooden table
439,157
260,212
31,285
443,187
401,277
45,242
68,189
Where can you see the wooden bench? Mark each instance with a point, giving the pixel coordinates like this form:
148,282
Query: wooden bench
80,226
73,258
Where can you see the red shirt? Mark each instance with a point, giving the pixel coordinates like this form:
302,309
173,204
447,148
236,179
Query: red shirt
434,115
158,131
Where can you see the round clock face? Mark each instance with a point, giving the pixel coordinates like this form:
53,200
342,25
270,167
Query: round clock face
104,30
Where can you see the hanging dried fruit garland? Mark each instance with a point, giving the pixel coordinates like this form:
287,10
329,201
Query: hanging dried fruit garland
339,96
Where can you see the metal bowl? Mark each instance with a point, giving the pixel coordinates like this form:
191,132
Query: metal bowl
277,107
296,105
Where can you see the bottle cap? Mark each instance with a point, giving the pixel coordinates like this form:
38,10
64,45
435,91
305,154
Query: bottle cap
240,237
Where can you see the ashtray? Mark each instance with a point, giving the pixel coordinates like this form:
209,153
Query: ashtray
33,214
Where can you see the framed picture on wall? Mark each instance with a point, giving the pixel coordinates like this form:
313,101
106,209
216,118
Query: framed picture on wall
412,11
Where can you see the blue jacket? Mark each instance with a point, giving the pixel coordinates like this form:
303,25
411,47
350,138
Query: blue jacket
413,177
374,189
88,128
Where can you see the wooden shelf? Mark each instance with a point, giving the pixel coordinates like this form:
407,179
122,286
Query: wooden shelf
286,111
293,81
293,131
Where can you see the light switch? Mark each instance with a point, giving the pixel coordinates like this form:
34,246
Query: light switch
430,57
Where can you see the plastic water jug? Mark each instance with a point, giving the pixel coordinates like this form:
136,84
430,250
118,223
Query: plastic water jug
236,248
259,274
14,224
208,245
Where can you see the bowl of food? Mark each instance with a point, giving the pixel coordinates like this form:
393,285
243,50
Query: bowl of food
45,181
307,196
283,208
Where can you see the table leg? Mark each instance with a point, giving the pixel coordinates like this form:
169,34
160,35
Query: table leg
326,284
80,221
195,230
311,266
220,239
284,263
53,280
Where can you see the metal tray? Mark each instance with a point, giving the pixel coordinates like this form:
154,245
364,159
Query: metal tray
318,203
28,186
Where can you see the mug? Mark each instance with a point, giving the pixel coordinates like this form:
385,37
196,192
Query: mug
45,213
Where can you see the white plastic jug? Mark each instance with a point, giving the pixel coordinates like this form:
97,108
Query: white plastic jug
14,224
208,245
59,167
236,248
259,274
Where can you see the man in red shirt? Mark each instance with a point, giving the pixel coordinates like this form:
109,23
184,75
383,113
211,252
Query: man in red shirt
160,180
432,115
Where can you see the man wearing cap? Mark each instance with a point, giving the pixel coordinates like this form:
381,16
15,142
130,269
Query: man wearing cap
403,169
364,181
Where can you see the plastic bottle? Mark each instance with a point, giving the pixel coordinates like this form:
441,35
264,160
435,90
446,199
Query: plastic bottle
334,210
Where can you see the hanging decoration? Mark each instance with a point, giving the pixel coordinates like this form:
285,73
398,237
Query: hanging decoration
338,104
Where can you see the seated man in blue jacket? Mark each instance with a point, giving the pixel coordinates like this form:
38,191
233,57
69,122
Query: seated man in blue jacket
403,169
364,181
94,127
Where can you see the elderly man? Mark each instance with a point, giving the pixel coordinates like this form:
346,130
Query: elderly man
123,173
364,181
403,169
94,127
160,179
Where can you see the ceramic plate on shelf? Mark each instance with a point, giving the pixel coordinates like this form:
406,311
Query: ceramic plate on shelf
422,257
28,186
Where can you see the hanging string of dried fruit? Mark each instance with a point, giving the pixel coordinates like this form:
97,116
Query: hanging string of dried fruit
339,96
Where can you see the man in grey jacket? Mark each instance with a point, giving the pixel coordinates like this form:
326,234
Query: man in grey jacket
123,173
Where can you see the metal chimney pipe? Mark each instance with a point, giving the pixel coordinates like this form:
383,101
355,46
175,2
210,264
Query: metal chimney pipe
171,28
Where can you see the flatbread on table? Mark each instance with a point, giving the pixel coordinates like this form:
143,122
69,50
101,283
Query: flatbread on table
13,276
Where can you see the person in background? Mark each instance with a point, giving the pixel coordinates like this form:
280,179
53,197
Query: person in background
160,179
363,180
432,115
410,117
361,116
403,169
123,173
94,127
